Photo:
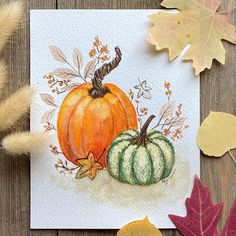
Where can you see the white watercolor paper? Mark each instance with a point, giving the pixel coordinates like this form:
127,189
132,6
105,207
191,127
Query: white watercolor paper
59,200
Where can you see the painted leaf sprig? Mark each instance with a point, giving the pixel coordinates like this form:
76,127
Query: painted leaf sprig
65,75
202,215
216,136
171,122
64,79
50,101
139,228
197,23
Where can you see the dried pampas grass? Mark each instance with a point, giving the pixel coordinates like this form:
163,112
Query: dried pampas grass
13,108
3,75
25,142
17,105
10,15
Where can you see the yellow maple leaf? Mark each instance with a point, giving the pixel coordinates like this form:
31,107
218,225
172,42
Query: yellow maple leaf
139,228
217,134
89,167
197,23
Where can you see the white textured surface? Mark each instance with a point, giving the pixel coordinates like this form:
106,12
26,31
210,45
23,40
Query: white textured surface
63,202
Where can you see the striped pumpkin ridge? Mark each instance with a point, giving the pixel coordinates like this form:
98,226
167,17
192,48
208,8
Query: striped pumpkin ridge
140,158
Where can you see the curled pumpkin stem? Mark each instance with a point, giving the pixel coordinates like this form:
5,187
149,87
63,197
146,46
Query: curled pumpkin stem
98,90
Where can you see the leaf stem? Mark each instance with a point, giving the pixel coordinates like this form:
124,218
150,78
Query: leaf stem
54,128
63,91
231,155
80,76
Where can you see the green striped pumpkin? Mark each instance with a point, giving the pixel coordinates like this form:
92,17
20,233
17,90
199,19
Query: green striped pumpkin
140,158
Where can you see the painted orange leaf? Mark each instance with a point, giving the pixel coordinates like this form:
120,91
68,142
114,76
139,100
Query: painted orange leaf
92,53
139,228
104,49
197,23
104,58
216,136
89,167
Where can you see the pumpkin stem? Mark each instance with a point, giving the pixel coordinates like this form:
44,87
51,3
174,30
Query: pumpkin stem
142,138
98,90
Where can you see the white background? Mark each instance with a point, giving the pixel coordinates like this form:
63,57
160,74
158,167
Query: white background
59,201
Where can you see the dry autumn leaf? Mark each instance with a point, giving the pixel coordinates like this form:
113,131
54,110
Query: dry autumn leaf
197,23
139,228
202,215
216,136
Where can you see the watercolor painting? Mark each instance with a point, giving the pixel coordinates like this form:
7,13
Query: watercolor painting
123,125
97,124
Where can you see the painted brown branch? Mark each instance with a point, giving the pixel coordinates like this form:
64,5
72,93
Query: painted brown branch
64,167
159,121
62,91
60,83
173,121
49,126
53,127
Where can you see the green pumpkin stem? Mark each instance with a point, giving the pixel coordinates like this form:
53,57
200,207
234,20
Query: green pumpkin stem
142,138
98,90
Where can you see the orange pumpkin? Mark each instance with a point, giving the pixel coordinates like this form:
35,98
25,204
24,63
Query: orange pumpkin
92,115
